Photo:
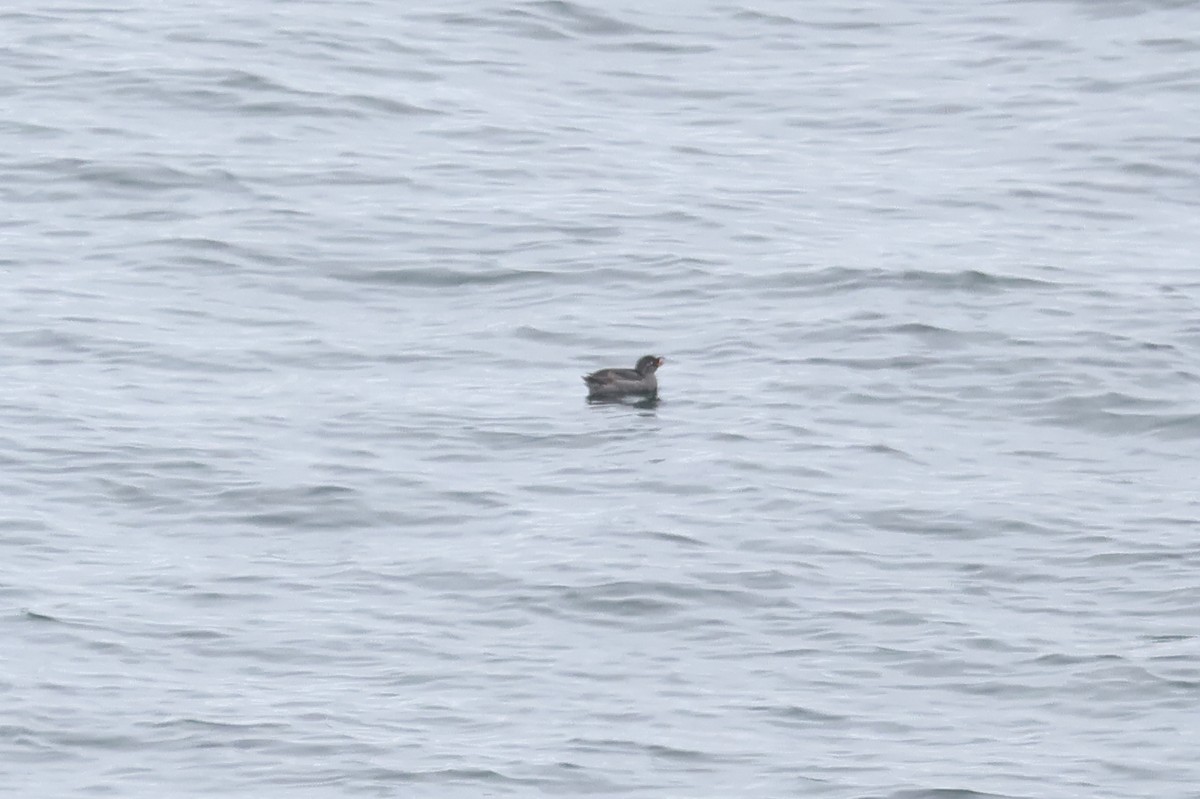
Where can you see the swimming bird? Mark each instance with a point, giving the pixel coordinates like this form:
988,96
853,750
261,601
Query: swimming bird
617,383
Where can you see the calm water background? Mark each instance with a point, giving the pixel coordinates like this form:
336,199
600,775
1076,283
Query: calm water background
301,496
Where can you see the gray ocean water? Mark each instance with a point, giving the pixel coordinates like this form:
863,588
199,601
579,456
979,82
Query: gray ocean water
300,495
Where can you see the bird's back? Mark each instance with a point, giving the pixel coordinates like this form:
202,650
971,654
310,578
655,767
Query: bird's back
605,376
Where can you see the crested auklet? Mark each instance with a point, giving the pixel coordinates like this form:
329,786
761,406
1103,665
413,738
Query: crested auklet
616,383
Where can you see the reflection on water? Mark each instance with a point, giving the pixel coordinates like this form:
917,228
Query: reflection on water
645,403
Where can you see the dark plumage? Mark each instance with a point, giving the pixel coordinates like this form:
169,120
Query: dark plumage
616,383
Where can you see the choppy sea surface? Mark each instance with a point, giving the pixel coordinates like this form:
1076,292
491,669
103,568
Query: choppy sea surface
300,495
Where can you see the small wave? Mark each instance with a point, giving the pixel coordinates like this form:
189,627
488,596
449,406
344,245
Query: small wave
653,749
841,278
1117,413
947,793
586,20
432,277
